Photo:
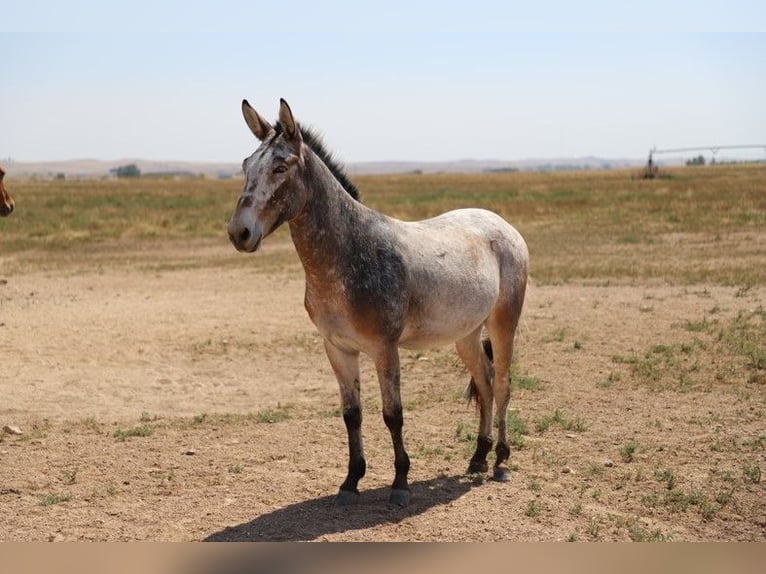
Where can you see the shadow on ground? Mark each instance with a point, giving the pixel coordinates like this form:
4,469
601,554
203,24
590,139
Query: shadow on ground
313,519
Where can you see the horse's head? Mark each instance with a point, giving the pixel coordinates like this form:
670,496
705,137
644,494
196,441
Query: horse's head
274,191
6,201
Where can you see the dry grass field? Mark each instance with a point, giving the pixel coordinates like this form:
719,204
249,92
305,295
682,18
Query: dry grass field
168,388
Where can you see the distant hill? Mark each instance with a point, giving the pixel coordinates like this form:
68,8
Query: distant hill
94,168
477,165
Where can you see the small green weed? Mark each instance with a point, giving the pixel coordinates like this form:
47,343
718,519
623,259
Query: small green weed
427,452
639,534
556,335
534,508
560,419
69,476
628,452
517,428
609,382
137,431
526,382
270,416
667,476
751,472
50,499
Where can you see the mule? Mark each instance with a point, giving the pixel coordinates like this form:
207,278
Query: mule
375,284
6,201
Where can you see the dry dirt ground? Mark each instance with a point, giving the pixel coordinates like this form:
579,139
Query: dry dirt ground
194,402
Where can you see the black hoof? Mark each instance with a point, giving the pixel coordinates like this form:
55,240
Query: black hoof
399,497
501,474
477,467
346,498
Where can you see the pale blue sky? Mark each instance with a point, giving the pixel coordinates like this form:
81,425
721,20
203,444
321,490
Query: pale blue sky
382,81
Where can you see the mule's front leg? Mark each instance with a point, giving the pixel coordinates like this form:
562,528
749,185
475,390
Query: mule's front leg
346,367
387,365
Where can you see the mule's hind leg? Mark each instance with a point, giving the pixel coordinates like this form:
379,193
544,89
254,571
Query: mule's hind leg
346,367
471,351
502,350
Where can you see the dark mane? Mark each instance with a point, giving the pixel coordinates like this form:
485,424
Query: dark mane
312,139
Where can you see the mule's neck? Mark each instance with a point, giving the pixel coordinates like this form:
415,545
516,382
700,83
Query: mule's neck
322,230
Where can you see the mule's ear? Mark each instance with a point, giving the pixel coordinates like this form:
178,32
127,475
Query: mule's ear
287,121
260,127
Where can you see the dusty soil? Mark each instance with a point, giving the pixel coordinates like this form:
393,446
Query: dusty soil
194,402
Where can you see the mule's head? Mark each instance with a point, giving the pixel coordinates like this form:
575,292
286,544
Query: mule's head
6,201
274,191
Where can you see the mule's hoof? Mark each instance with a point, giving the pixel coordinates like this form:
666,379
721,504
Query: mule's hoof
477,467
399,497
501,474
346,498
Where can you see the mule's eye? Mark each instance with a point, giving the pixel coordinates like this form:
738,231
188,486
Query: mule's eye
280,169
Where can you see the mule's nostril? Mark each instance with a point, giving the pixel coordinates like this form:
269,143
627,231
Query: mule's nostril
244,235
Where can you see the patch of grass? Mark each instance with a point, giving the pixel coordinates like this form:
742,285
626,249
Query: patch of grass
477,478
702,326
427,452
677,500
755,443
667,476
680,501
751,472
556,335
736,347
199,419
594,527
628,452
146,417
534,508
594,469
91,423
725,497
609,382
463,433
335,413
666,367
640,534
264,416
611,213
69,476
745,336
526,382
138,431
517,428
50,499
560,419
270,416
236,468
466,436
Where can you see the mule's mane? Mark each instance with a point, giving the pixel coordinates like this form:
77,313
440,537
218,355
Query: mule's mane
312,139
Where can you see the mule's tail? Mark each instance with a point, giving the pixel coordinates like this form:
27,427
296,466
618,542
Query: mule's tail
471,393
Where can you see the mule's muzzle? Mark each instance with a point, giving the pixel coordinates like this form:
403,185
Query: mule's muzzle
6,208
243,238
